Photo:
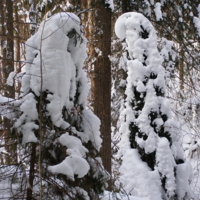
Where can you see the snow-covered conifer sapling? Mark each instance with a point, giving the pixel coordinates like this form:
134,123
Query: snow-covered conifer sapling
153,164
54,115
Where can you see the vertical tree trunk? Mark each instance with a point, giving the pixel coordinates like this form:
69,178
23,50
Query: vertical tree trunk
7,66
2,61
32,17
125,6
97,25
98,32
102,78
18,50
88,20
3,42
181,71
9,62
31,172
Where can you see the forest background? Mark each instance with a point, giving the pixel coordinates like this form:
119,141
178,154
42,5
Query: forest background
178,28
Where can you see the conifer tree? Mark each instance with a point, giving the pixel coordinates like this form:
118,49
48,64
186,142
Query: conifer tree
64,160
153,164
102,76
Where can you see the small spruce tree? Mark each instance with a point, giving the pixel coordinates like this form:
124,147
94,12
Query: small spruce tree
153,163
65,137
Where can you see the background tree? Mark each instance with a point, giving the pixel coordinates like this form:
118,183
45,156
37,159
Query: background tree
102,77
97,23
7,66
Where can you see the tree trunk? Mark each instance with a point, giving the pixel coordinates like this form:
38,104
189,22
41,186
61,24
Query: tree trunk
126,6
32,17
97,23
102,78
18,50
31,172
9,62
3,43
181,71
7,66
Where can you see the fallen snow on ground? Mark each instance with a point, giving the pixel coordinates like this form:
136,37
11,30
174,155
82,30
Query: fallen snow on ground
113,196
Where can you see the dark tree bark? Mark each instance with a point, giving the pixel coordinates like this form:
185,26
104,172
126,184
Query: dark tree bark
3,41
32,17
126,7
97,29
18,48
102,78
7,66
9,62
31,172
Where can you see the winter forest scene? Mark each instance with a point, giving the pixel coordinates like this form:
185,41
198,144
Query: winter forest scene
100,99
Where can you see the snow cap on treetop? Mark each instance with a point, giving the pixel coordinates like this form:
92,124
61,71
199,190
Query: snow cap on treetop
131,21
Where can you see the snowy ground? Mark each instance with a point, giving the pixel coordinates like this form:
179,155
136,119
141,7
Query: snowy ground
113,196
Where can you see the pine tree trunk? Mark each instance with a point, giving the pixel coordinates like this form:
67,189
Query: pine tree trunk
181,71
126,6
9,62
2,60
7,66
88,19
32,17
3,42
18,50
31,172
99,69
102,79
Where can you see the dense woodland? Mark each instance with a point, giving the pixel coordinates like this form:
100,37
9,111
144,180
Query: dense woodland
99,95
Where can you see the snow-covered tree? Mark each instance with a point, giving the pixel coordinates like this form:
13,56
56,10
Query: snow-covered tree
64,135
153,163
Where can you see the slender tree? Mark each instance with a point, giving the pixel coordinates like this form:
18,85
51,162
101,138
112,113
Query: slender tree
96,17
102,76
152,160
7,66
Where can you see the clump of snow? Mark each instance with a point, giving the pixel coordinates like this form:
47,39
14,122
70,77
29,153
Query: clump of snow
72,165
73,144
26,122
158,11
137,178
198,8
55,65
112,196
166,164
91,128
10,79
4,99
196,21
184,173
111,4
